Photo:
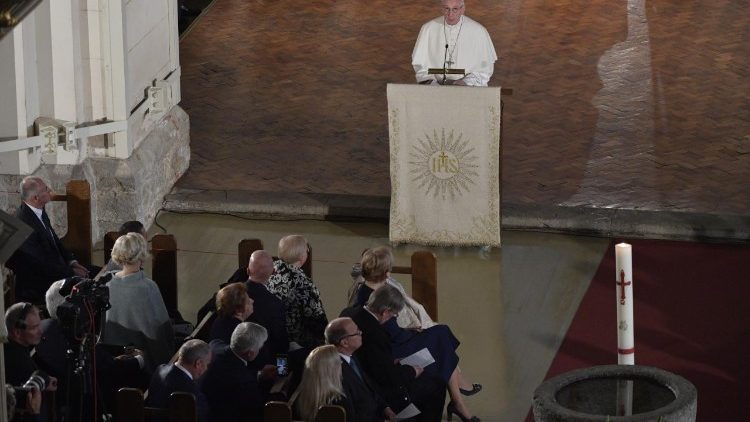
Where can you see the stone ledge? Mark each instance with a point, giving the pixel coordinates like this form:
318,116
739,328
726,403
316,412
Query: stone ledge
582,220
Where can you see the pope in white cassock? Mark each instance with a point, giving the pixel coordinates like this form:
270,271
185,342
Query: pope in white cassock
454,41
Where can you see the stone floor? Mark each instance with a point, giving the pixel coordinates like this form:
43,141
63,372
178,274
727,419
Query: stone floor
627,120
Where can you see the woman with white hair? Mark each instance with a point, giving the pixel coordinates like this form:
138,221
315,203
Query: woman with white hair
305,317
321,385
138,316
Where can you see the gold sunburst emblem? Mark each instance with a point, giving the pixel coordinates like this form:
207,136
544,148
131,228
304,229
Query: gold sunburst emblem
443,164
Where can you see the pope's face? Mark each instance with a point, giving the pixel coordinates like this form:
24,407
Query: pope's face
452,10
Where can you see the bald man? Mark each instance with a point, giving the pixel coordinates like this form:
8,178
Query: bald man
269,310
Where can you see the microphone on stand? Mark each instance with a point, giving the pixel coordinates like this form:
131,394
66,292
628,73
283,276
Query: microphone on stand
445,58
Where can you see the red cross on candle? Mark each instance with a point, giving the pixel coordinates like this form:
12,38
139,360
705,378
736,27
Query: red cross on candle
622,285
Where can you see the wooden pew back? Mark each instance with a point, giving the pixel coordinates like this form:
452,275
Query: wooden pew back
423,270
78,202
280,411
130,407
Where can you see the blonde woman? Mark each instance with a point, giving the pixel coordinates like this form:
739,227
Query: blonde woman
138,316
321,385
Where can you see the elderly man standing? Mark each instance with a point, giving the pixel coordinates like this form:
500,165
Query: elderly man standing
182,376
230,386
42,258
454,41
368,405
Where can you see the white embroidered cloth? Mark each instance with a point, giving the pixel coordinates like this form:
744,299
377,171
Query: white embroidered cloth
445,165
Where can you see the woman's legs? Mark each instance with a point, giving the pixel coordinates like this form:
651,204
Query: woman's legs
462,381
456,397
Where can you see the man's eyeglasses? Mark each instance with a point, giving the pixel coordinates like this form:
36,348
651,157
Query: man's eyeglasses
449,10
356,333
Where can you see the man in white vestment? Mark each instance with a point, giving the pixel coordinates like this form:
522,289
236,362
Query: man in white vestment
454,41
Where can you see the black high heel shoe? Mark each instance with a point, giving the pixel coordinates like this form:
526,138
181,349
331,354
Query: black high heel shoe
475,388
451,410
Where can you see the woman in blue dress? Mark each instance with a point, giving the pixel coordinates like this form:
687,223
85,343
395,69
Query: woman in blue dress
376,266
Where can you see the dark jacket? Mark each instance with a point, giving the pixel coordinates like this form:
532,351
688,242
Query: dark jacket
41,260
169,379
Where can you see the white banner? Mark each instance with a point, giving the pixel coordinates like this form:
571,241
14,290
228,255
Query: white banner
445,165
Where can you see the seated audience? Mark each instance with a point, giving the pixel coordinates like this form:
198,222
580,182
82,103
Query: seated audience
368,406
41,258
231,388
399,384
24,332
193,359
138,316
305,316
233,306
376,266
321,385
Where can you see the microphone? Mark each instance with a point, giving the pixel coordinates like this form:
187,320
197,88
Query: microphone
445,58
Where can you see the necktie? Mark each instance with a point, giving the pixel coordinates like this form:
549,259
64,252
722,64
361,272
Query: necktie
355,367
48,226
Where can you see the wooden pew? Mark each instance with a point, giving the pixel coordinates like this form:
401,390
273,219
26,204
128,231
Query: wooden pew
280,411
78,201
330,413
423,270
277,411
130,407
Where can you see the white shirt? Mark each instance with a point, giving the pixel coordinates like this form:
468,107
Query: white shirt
38,212
469,48
184,370
347,358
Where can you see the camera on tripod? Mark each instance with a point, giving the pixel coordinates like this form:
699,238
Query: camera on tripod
85,301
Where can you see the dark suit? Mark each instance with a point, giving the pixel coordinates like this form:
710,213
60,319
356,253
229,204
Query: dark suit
268,311
368,405
398,383
231,389
41,259
18,368
169,379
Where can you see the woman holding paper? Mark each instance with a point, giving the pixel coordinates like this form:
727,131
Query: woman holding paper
438,339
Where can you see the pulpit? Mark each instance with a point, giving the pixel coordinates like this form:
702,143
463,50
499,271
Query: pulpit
445,165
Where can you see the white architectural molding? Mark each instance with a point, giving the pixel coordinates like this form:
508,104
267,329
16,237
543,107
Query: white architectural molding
82,62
